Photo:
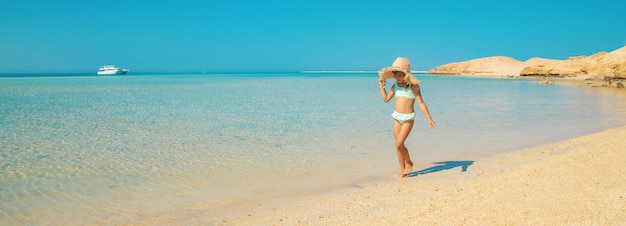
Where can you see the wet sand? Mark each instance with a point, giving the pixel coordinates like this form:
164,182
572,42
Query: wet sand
580,181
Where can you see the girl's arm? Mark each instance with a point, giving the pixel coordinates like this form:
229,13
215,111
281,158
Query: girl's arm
383,93
422,104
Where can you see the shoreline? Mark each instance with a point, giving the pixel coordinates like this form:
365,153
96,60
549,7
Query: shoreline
576,181
580,81
167,211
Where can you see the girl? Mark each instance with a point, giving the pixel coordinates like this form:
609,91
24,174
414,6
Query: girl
407,91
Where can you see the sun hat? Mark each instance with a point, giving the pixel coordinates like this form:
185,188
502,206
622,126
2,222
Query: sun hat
400,64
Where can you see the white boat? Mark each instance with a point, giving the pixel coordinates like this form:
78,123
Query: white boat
111,70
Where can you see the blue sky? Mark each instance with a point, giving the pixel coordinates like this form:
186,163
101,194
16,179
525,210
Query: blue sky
269,36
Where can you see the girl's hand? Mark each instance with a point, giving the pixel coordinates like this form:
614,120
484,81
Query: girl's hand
382,82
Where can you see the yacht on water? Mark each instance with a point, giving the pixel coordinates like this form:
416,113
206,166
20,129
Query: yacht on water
111,70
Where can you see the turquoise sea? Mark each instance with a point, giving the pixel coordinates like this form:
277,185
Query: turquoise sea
78,150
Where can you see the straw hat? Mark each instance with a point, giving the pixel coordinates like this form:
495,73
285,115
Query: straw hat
400,64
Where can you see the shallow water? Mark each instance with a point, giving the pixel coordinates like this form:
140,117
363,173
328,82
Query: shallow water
87,149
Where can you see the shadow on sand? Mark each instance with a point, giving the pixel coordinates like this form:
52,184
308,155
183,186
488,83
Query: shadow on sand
443,166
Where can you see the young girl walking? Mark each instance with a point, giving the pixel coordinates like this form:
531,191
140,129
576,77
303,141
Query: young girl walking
407,91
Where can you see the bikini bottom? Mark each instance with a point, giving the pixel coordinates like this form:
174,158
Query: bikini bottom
403,117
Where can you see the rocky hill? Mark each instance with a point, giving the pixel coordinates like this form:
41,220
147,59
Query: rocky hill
496,65
599,65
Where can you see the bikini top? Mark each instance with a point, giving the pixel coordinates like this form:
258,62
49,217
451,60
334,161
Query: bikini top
404,92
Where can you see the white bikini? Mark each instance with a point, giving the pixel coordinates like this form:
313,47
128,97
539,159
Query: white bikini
405,92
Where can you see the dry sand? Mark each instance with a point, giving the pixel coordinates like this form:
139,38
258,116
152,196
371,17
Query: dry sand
581,181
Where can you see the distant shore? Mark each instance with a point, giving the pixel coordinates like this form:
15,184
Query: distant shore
578,181
603,69
582,81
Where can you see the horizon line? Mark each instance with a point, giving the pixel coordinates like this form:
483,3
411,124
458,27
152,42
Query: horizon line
358,71
210,72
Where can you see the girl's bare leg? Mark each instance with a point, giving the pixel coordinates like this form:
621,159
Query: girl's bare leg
401,132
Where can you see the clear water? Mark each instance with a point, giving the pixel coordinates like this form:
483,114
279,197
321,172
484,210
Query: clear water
122,149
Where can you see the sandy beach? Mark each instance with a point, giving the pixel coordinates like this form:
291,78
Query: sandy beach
580,181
